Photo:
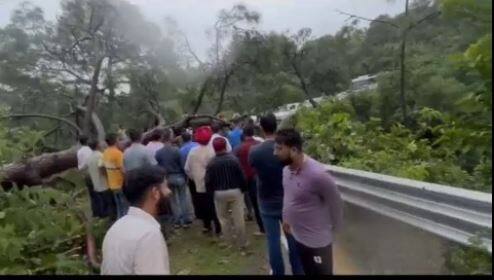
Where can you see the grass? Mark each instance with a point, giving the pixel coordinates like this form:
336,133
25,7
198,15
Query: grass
193,253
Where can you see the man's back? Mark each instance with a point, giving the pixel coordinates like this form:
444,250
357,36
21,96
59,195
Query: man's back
95,161
269,170
154,146
168,157
242,153
223,173
185,150
113,161
235,137
137,156
196,164
135,245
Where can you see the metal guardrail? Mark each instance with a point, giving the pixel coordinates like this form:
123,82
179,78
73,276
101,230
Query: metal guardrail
452,213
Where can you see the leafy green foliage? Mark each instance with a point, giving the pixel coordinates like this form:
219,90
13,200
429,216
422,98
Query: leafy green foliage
41,232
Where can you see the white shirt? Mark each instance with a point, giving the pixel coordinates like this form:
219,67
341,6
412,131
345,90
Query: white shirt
257,138
94,164
153,147
216,135
83,155
134,245
196,163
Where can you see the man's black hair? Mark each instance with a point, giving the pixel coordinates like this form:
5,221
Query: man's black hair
156,136
134,135
167,135
93,144
83,140
289,137
140,180
215,127
111,139
186,137
268,123
248,131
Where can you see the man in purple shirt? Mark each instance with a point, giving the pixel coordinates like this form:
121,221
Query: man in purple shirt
312,205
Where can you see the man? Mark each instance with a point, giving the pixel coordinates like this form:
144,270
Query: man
155,142
187,146
225,180
195,168
235,136
103,197
169,159
216,127
242,154
269,170
134,245
312,205
113,162
83,155
136,155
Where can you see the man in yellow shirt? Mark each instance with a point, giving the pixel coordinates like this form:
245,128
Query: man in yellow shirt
113,162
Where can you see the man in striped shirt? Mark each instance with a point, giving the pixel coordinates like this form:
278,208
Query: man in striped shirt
226,181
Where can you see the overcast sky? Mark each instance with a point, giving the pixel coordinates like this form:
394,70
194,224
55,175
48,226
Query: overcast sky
195,16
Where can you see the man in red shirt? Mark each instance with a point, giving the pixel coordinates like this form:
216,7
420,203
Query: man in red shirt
242,152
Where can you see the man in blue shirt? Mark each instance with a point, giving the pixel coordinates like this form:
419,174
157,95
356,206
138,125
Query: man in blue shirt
269,171
235,136
187,146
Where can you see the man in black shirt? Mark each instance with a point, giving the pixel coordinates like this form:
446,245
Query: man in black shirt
269,171
226,180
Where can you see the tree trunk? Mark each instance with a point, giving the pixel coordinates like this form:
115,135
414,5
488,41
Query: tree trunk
98,126
303,85
204,88
224,85
39,169
91,104
403,104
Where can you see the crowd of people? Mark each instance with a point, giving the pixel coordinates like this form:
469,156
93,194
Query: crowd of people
220,176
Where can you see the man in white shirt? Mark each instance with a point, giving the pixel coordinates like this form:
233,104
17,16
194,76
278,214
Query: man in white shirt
83,155
155,143
134,245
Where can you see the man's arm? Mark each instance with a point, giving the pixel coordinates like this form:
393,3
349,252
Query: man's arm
187,167
331,196
228,145
151,255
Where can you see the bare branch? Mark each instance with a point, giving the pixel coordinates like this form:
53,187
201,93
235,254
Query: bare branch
367,19
189,48
426,18
71,124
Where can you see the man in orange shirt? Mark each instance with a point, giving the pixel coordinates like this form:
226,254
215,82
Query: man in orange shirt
113,162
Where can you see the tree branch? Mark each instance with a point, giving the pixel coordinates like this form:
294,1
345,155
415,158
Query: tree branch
71,124
367,19
428,17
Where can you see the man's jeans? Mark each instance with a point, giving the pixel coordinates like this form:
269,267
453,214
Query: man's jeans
272,225
121,203
179,199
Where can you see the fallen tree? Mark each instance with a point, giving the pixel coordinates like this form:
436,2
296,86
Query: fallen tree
42,169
